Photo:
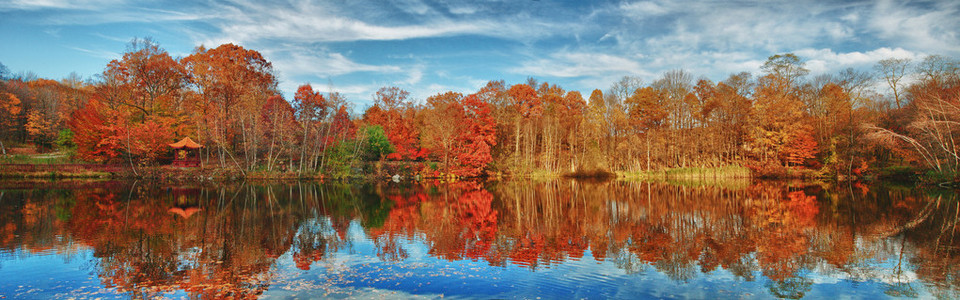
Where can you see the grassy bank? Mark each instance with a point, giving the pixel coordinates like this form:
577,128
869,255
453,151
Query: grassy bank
732,171
44,166
56,175
38,159
60,166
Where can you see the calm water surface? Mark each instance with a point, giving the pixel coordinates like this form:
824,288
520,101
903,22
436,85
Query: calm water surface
561,239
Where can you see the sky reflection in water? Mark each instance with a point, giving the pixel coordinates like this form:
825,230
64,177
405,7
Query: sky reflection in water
562,239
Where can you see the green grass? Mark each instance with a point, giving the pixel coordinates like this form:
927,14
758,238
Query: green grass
56,175
898,171
37,159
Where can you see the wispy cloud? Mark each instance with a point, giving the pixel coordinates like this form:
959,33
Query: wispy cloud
298,65
114,15
56,4
414,76
98,53
717,38
931,27
319,63
356,93
55,32
724,25
579,65
644,9
246,22
96,12
828,61
415,7
112,38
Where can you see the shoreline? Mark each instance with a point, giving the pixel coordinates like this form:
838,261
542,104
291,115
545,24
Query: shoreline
168,173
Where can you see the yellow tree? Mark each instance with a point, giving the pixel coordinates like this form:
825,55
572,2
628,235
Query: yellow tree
40,130
527,105
647,114
595,133
9,112
572,115
550,136
835,134
311,109
147,80
232,82
442,118
777,111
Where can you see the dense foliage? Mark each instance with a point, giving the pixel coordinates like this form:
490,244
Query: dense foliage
780,121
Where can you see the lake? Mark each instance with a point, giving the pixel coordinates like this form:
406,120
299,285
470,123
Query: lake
508,239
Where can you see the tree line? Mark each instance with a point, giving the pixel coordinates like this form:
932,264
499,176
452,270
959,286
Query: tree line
780,121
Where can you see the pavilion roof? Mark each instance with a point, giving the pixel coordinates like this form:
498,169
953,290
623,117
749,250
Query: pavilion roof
186,143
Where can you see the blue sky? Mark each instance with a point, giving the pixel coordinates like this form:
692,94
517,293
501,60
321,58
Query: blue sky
427,47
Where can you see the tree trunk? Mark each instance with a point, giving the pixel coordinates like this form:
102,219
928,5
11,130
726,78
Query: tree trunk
648,152
303,147
516,146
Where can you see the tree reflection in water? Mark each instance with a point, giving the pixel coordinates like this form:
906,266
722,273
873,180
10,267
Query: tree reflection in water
223,241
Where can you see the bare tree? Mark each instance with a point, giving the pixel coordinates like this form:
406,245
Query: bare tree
892,70
938,68
623,88
854,82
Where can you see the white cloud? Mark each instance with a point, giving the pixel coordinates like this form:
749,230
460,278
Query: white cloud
248,22
466,87
820,61
112,38
56,4
95,12
300,62
716,39
413,77
933,28
353,92
55,32
851,17
579,64
764,27
463,8
298,65
99,53
413,6
643,9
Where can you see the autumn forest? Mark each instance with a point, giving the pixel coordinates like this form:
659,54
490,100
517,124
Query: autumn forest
783,121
